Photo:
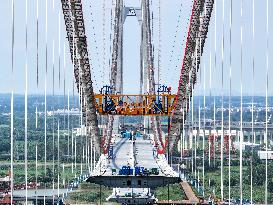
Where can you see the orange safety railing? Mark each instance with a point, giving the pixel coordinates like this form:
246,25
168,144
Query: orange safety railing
133,105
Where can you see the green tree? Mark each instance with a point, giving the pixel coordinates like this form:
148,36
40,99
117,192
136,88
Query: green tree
270,186
258,174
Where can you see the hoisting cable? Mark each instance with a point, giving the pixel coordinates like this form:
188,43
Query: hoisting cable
104,38
45,111
266,101
241,112
191,133
159,42
204,128
214,100
26,103
204,116
230,87
68,103
110,38
175,38
53,114
252,99
11,175
210,72
73,105
72,128
222,106
58,136
101,69
36,110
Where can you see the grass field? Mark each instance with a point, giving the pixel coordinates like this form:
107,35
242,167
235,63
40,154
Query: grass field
44,175
258,192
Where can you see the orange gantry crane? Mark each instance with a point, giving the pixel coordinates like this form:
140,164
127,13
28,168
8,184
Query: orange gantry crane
133,105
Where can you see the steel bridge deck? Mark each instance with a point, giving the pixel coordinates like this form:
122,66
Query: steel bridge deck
128,154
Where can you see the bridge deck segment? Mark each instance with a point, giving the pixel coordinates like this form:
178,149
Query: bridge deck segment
136,153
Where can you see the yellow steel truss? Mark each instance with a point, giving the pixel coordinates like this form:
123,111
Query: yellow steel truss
133,105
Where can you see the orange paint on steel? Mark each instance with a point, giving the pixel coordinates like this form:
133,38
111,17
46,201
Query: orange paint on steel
135,105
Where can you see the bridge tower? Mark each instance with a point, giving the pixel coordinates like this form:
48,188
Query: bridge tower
116,81
147,80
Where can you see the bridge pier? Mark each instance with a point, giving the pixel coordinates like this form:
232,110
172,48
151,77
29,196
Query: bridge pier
132,196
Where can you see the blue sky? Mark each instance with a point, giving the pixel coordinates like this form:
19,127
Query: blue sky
173,15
